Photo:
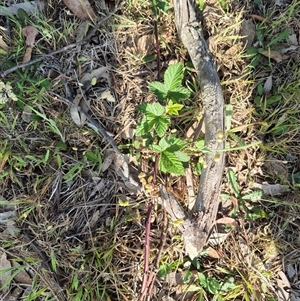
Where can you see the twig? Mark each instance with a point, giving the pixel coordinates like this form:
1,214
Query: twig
163,237
146,280
146,251
157,50
65,48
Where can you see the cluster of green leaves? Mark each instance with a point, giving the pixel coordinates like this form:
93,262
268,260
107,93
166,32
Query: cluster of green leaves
155,125
215,287
203,283
248,209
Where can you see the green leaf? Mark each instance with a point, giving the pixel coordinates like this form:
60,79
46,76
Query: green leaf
254,195
159,89
161,124
228,285
164,143
178,94
75,283
228,116
154,109
53,260
183,157
213,285
142,107
169,162
163,6
144,126
156,148
233,182
173,108
200,144
282,36
172,143
173,76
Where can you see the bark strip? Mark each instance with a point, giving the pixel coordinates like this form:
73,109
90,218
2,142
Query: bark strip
198,223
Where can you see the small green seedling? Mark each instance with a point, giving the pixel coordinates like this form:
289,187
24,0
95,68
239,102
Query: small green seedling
155,125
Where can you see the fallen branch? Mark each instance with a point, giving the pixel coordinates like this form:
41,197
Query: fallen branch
196,225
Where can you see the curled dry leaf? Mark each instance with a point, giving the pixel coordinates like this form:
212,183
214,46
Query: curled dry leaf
227,221
81,9
268,85
4,264
27,55
274,55
3,45
76,116
30,32
212,253
108,161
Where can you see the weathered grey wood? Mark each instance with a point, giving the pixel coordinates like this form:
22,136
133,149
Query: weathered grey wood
197,224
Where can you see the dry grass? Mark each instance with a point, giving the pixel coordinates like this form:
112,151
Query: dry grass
74,213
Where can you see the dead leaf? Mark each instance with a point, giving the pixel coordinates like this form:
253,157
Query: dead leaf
276,167
26,114
293,39
268,85
259,18
144,44
92,222
274,55
81,9
283,284
190,187
248,32
291,271
212,253
291,48
226,221
30,32
108,96
76,116
7,215
4,264
108,161
218,238
3,45
197,129
272,189
80,33
22,277
27,55
3,160
30,8
234,50
128,133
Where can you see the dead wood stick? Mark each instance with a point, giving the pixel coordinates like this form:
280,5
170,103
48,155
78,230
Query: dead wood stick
197,224
65,48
